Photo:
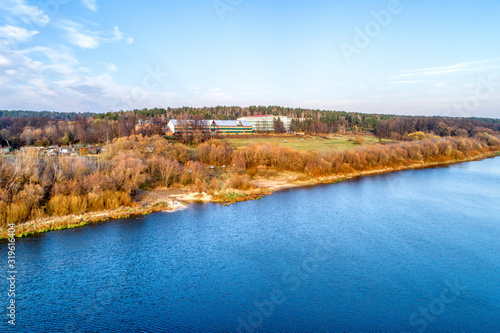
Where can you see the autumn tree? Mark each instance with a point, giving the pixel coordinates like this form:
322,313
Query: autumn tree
127,172
279,127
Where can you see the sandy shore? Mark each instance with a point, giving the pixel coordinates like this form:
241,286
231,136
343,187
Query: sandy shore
172,200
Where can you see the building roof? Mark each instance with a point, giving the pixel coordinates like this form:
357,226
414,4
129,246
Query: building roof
175,122
263,115
231,123
224,122
144,122
245,123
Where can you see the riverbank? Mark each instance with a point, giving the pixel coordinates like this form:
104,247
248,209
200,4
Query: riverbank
171,200
269,186
73,221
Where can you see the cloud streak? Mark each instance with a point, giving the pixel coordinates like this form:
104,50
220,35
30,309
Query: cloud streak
84,38
90,4
16,34
472,66
25,13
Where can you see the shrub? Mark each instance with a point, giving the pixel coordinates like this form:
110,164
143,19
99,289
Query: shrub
359,140
262,170
417,136
240,182
200,185
215,152
193,170
252,172
214,184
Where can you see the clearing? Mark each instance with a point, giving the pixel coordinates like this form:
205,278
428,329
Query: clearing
305,142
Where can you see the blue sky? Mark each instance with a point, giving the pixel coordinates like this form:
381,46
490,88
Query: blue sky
403,57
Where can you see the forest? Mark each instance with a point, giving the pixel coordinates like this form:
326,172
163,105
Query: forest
25,128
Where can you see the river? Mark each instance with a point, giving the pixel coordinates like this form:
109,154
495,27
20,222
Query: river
412,251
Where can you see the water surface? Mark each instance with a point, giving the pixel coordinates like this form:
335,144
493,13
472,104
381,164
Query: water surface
413,251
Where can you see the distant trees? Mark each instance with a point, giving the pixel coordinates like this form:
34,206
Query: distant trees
399,128
18,128
30,135
462,132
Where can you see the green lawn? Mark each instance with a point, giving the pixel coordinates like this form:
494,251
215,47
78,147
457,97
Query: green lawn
340,142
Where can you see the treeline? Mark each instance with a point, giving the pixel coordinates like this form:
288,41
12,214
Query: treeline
400,127
316,121
18,128
34,186
46,114
43,131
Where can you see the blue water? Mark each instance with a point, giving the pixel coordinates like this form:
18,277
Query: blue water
413,251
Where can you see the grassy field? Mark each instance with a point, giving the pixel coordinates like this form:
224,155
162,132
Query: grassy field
339,142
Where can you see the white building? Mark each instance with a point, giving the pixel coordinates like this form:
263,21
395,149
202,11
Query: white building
265,123
214,127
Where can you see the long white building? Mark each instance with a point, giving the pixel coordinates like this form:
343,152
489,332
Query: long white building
265,123
214,127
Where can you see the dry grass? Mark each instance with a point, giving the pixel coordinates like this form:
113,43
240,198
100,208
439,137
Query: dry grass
319,143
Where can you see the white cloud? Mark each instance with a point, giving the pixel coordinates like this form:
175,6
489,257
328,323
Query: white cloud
117,34
109,67
90,4
61,61
16,34
4,61
84,41
42,87
88,39
52,78
25,13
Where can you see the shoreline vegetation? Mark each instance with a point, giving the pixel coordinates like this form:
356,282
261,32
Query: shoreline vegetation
141,175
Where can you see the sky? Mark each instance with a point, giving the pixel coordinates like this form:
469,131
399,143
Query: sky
407,57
